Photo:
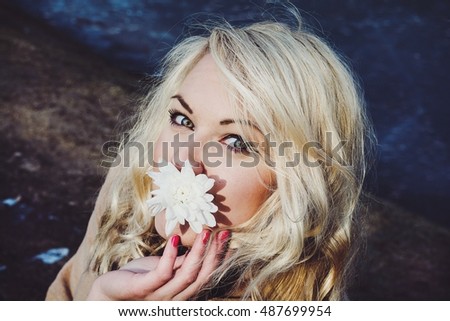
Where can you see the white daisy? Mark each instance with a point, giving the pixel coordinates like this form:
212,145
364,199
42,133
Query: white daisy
183,196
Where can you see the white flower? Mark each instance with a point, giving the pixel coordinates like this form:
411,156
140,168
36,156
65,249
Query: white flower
183,196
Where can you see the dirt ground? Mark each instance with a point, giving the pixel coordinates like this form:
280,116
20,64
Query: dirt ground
59,103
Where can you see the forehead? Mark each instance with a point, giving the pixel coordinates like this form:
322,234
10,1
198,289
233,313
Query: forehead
205,92
204,89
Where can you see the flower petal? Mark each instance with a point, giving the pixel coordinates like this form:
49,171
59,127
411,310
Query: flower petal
181,211
208,185
196,226
204,206
208,197
201,179
181,220
187,172
170,215
210,219
170,167
170,225
213,208
154,206
183,195
193,206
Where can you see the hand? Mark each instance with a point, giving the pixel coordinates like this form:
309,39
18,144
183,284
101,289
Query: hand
163,278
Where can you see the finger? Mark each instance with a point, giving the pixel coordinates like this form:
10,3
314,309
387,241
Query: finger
149,263
164,271
134,281
210,263
142,265
189,270
213,255
109,286
179,261
170,255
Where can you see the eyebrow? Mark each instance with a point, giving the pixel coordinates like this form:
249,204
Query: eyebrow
229,121
222,122
183,103
232,121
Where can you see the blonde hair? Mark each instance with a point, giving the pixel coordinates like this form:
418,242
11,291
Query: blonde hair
293,86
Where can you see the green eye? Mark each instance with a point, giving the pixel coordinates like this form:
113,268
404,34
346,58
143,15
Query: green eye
184,121
236,144
178,119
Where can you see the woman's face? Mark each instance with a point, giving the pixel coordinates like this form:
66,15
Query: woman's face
200,113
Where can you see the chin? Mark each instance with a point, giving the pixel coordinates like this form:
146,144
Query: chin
188,238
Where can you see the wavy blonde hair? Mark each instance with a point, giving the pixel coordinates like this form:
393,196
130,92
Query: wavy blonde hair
298,246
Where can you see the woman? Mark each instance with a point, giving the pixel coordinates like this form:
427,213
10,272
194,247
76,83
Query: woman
273,116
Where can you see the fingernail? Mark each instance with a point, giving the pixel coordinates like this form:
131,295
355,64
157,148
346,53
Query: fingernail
206,235
223,235
175,240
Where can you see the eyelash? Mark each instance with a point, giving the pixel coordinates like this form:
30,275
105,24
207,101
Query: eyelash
174,114
245,150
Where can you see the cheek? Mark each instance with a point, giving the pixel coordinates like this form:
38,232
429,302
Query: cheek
160,223
240,196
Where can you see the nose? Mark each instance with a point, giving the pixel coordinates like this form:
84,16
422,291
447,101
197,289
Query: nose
188,151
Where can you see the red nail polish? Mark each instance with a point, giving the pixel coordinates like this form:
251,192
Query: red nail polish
223,235
205,238
175,240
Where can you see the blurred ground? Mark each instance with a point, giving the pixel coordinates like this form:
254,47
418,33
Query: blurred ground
59,103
